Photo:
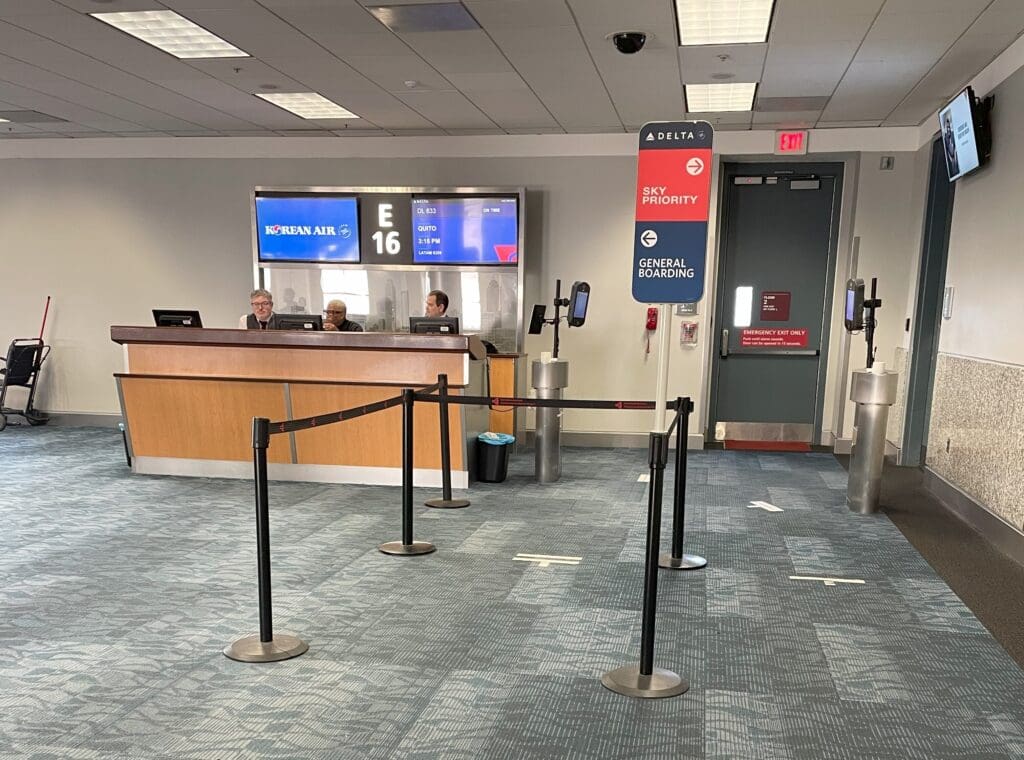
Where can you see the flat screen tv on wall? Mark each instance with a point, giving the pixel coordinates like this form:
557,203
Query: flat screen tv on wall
964,131
307,228
465,230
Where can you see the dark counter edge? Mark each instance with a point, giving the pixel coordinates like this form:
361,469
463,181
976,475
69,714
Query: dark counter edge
205,336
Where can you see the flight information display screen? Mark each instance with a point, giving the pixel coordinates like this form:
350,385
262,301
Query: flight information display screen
307,228
469,231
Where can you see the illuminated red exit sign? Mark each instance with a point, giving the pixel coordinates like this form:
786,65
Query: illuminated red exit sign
791,142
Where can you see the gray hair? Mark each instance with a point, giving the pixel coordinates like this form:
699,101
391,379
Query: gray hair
262,292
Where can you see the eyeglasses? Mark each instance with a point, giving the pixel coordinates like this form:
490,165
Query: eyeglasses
261,304
333,311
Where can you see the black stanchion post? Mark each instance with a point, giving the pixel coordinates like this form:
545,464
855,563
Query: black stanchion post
407,546
446,501
677,560
264,646
647,681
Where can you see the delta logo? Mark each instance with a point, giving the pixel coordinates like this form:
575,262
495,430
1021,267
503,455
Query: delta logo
309,230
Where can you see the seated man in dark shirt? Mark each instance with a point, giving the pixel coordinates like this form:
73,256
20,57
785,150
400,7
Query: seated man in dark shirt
336,318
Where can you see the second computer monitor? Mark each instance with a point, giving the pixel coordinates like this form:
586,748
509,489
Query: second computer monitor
299,321
177,318
442,325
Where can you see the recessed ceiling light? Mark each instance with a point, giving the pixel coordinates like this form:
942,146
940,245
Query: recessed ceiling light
308,105
709,98
171,33
3,121
723,22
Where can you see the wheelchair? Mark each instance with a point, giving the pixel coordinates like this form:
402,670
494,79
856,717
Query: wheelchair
20,368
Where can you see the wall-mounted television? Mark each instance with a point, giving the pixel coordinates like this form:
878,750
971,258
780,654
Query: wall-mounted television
964,130
307,228
465,230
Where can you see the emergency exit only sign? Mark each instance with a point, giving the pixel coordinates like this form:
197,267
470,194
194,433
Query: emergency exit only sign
672,196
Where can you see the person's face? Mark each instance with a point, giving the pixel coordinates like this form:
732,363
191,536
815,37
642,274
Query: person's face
335,316
433,309
261,307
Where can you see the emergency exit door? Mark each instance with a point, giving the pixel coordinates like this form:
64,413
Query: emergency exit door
776,265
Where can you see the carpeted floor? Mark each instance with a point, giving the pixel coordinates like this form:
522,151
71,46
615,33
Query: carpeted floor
119,592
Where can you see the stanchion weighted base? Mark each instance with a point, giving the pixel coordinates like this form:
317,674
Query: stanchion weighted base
283,646
416,547
446,503
628,681
686,562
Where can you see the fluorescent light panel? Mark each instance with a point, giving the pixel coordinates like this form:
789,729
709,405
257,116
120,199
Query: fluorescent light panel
3,121
712,98
171,33
308,105
723,22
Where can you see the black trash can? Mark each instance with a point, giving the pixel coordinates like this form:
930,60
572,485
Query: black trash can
492,458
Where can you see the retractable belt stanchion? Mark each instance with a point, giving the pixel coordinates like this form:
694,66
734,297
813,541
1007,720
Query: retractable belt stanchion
407,546
446,501
677,560
646,680
264,646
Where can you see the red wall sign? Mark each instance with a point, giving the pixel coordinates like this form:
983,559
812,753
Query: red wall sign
774,337
775,305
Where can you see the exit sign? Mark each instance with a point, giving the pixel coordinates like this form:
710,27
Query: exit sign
791,142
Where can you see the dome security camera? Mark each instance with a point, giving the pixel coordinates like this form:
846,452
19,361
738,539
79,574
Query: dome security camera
628,43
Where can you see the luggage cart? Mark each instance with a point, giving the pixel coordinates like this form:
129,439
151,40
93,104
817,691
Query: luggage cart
25,357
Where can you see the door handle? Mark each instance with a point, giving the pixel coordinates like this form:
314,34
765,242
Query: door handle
725,344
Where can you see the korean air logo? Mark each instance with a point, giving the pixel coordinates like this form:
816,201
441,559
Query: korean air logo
273,229
344,231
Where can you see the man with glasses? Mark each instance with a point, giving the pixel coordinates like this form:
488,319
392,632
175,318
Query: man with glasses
336,318
262,317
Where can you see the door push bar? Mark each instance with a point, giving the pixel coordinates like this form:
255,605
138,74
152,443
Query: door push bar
725,352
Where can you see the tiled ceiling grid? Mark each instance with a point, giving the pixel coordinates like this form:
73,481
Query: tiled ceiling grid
531,66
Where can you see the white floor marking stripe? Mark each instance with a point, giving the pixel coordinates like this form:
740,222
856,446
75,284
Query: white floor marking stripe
546,556
545,562
764,505
826,581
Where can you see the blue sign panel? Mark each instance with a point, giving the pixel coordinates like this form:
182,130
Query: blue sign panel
662,271
465,230
673,191
307,229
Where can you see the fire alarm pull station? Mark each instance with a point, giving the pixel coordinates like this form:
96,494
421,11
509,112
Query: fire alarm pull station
688,333
652,318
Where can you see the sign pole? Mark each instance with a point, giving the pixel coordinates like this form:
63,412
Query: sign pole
673,189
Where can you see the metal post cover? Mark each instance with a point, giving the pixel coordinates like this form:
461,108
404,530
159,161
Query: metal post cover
549,379
874,391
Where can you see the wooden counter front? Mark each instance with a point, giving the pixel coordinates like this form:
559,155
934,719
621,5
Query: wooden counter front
188,397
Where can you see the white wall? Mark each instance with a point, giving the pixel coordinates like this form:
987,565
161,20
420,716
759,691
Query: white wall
986,244
112,238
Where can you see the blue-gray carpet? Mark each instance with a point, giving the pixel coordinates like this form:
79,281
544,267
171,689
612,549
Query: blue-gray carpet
119,592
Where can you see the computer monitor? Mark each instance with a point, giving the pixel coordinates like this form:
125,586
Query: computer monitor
177,318
442,325
853,316
299,321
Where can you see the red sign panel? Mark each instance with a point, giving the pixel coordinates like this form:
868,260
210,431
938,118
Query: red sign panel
791,142
775,305
774,337
673,185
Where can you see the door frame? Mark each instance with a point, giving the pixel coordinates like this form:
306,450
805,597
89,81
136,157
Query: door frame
927,324
837,167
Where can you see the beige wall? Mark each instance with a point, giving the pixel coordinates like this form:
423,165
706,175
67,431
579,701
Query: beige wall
112,238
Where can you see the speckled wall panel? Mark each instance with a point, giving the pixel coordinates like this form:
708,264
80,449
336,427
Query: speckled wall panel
976,436
894,429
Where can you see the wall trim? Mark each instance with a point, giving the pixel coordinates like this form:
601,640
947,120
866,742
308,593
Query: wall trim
1005,537
599,440
981,360
84,419
727,142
